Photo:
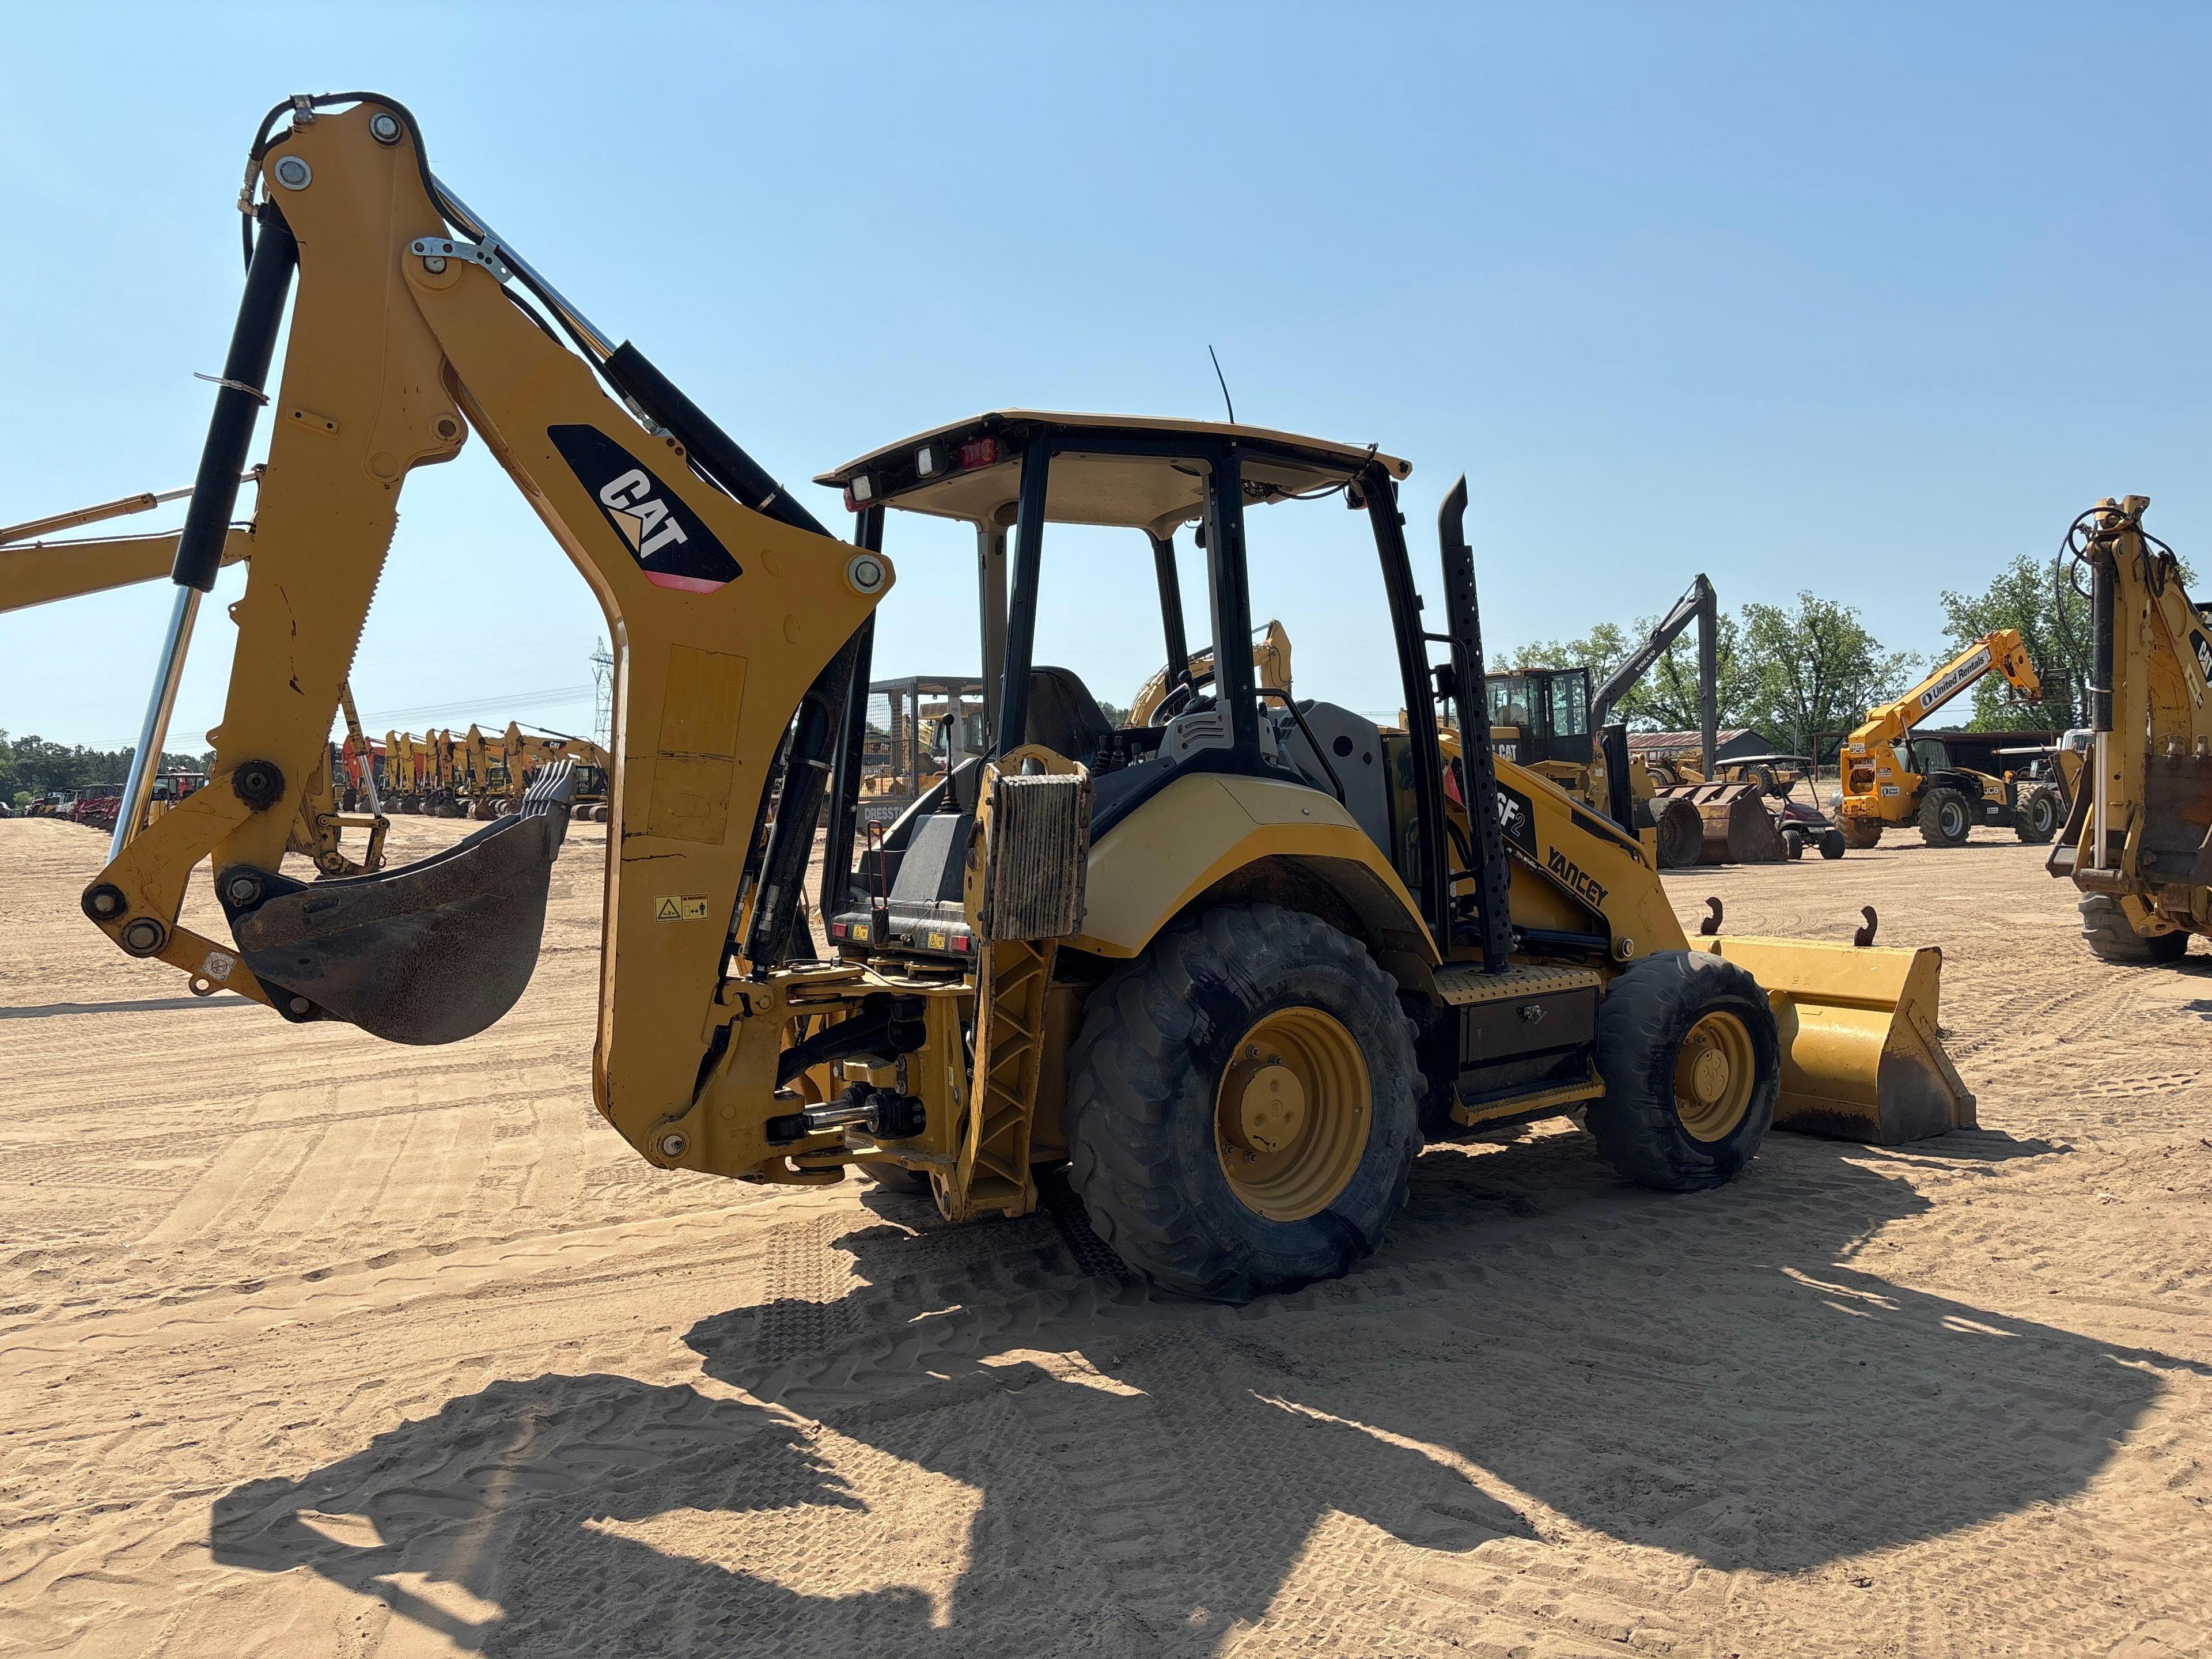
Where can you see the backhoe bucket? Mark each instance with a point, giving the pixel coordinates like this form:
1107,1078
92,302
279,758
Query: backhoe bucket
431,953
1861,1058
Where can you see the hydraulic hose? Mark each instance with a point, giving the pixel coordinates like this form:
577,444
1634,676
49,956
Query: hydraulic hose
238,401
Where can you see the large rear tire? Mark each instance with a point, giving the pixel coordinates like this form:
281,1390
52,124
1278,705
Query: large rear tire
1243,1104
1945,817
1692,1062
2035,819
2113,937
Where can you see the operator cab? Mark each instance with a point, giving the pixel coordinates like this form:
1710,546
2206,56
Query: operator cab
1012,476
1539,714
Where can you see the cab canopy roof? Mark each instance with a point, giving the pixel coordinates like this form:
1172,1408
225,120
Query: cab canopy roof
1125,469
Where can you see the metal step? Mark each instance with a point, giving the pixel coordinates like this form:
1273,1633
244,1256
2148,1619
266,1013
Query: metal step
1464,984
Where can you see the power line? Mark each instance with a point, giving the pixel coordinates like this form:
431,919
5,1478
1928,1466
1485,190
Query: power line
559,694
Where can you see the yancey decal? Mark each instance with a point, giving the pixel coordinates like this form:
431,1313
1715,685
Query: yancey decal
670,542
1589,892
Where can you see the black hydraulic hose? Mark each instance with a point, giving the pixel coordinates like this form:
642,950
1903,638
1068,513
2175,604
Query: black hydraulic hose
814,742
845,779
713,450
238,403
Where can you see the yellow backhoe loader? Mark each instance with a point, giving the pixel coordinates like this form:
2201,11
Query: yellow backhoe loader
1890,777
1229,969
2138,837
35,570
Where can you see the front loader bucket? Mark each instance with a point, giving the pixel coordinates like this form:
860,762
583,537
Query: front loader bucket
431,953
1861,1058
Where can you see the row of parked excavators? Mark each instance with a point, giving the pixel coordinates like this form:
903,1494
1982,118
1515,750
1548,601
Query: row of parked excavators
466,775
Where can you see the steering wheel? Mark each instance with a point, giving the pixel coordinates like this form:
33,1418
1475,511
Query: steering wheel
1179,699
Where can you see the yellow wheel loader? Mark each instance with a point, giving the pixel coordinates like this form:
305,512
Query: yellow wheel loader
1891,777
2135,840
1229,969
35,570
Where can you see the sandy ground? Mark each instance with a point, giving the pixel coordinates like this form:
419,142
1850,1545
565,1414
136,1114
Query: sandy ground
315,1346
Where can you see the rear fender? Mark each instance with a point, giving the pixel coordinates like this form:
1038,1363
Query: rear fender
1212,836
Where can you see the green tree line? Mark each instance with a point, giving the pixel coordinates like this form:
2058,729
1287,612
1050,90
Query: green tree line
31,767
1803,673
1799,674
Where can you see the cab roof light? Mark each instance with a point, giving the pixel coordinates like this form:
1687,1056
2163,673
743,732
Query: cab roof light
859,492
927,461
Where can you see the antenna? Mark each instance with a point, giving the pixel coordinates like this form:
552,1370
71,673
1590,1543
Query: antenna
1224,386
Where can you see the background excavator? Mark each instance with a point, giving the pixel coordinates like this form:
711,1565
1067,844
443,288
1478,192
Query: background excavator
2138,837
1227,971
36,569
1891,777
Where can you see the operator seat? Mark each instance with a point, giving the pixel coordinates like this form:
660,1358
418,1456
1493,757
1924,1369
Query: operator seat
1063,716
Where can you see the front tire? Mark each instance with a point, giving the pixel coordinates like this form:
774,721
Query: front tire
1692,1062
1945,817
1831,843
2035,820
2113,937
1862,834
1243,1104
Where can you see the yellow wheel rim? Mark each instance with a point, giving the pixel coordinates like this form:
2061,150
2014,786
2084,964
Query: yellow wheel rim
1713,1077
1292,1114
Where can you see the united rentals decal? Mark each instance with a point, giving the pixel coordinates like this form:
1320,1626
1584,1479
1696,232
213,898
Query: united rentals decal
667,539
1970,667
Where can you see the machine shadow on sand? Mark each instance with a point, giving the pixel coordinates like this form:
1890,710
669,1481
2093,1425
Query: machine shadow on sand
1791,1408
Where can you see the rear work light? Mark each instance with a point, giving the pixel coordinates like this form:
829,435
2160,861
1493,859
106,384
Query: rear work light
860,493
929,461
979,452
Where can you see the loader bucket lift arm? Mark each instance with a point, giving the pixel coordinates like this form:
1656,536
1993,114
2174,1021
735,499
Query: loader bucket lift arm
726,603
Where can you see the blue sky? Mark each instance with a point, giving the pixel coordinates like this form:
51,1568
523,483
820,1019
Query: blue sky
1865,299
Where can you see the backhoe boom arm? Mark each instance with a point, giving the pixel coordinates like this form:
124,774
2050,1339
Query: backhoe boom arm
724,606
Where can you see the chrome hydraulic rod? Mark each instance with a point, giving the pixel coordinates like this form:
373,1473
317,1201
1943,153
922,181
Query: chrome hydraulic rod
146,762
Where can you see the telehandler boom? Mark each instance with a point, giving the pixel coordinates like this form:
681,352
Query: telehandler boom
1230,967
1889,778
